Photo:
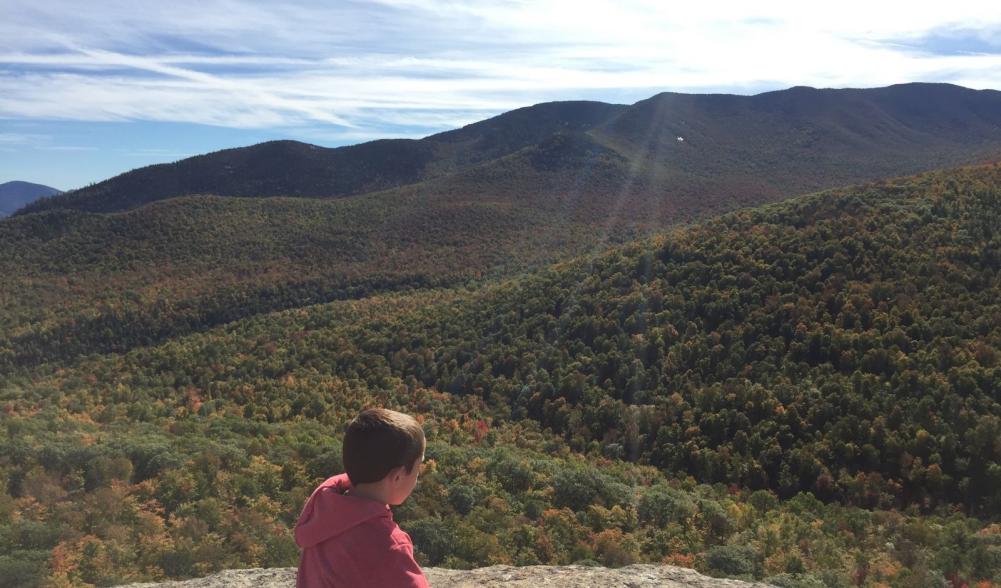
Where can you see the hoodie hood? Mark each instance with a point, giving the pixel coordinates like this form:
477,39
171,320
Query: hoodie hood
328,512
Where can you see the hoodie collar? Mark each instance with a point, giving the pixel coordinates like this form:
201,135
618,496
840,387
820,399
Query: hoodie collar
329,512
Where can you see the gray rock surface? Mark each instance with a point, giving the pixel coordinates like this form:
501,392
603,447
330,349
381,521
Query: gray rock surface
635,576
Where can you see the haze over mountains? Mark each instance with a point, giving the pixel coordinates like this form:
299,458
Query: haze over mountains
15,195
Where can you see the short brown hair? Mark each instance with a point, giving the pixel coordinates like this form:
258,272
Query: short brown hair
378,441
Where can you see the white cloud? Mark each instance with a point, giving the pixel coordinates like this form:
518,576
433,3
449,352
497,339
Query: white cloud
370,67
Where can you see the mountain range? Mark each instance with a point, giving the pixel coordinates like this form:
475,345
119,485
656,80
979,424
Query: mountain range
668,156
179,247
15,195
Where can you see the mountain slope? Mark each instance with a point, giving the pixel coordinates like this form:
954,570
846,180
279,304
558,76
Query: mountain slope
886,293
291,168
846,343
84,282
802,139
761,147
15,195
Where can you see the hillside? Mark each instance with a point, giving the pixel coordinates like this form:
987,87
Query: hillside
84,282
515,192
760,147
855,316
806,389
15,195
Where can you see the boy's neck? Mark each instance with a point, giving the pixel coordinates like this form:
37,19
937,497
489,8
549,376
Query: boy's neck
373,491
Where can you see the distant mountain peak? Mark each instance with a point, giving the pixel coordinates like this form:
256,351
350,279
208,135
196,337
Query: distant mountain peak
16,194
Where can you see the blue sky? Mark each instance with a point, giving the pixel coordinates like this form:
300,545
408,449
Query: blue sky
90,90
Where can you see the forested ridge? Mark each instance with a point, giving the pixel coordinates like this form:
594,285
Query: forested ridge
806,392
845,344
82,282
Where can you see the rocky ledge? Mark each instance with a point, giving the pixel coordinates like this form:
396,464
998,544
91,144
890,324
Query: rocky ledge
635,576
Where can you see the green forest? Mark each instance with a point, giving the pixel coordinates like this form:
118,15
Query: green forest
807,393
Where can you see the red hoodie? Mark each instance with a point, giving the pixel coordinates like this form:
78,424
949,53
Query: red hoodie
350,542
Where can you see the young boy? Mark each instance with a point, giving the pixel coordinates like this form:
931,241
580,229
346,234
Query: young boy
346,530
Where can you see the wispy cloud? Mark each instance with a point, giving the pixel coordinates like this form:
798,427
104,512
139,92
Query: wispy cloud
70,148
20,141
12,139
368,68
952,40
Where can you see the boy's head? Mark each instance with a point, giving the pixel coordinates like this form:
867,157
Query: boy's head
380,442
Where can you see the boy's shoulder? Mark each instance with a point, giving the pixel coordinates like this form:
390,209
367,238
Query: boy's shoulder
381,532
